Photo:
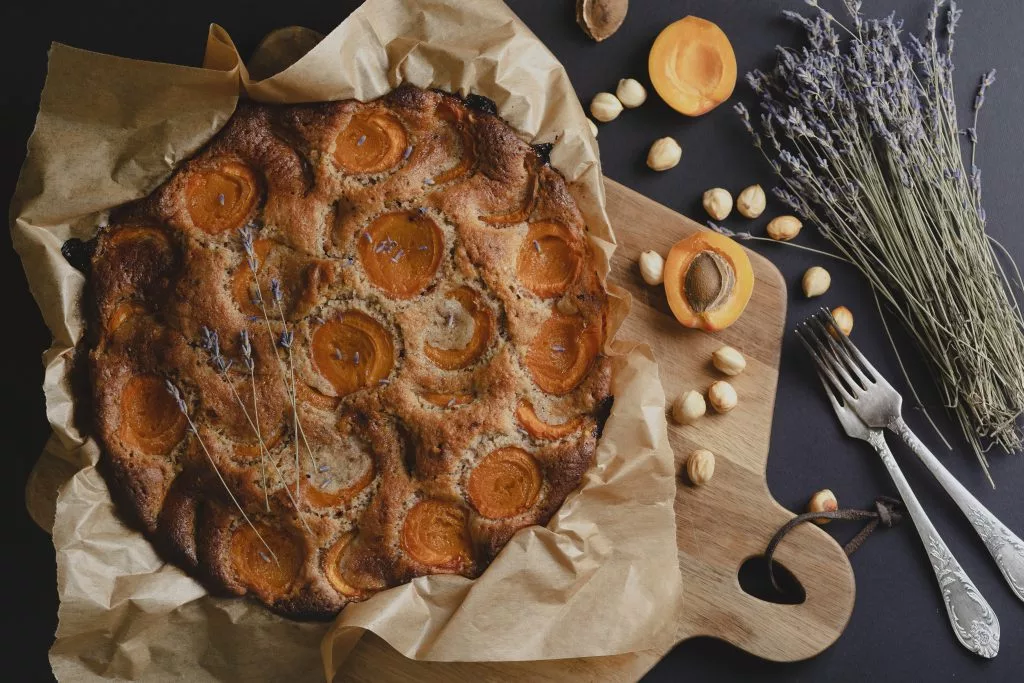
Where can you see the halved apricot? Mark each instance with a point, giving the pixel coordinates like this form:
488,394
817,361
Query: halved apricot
122,313
549,259
352,352
435,533
332,566
402,252
243,282
307,394
505,483
708,281
223,196
373,141
258,569
692,66
442,400
454,359
150,419
153,238
523,211
327,492
457,117
271,437
562,352
540,429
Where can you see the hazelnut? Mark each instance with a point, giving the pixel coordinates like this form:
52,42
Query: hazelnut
665,154
605,106
844,319
823,501
652,267
631,93
722,397
593,127
751,202
784,228
729,360
816,281
700,467
689,407
718,203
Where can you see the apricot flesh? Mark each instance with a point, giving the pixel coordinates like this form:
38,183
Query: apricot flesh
150,419
223,197
332,566
549,259
505,483
708,281
562,352
372,142
401,251
258,569
442,400
539,429
692,66
456,118
435,533
352,352
455,359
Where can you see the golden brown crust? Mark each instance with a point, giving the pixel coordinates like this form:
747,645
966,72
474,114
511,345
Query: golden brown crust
433,273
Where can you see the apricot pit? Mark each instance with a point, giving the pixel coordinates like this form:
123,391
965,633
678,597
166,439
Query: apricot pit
708,281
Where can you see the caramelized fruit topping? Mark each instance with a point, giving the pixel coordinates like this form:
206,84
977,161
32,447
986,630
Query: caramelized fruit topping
332,566
435,533
256,568
150,419
401,252
374,141
562,352
223,197
352,352
549,259
505,483
455,359
539,429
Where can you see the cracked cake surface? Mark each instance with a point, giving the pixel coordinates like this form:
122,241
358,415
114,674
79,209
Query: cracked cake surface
345,345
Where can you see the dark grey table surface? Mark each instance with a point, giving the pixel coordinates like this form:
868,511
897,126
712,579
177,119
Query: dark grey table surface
898,630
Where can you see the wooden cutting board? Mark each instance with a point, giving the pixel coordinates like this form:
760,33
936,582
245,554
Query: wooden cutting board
720,525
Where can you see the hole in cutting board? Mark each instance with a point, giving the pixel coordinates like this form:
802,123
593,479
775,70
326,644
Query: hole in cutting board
754,580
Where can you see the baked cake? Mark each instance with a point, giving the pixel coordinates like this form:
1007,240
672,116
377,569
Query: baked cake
345,345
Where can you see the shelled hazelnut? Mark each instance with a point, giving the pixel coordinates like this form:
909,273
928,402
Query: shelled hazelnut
605,107
751,201
722,396
718,203
689,408
700,467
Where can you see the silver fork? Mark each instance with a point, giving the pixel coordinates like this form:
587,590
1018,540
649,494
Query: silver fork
878,405
973,621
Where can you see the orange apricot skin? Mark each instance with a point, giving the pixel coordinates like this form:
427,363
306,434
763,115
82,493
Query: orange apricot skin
256,568
505,483
332,569
676,266
456,359
539,429
435,533
692,66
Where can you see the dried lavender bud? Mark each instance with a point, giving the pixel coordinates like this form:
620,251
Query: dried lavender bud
322,468
355,358
287,337
176,395
275,290
407,153
360,141
246,350
428,181
220,199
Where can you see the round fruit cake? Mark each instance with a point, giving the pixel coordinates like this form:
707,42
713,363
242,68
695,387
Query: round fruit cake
345,345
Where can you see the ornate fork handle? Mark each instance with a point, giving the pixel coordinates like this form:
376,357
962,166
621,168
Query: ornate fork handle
973,620
1004,546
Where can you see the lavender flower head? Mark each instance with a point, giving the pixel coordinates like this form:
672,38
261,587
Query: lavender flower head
287,337
176,395
275,290
246,350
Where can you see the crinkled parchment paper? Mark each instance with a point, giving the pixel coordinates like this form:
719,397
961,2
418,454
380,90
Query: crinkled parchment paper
600,579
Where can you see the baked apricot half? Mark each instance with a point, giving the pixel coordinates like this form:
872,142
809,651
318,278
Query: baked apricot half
539,429
401,251
442,400
457,358
692,66
505,483
708,281
332,566
435,533
549,259
223,196
150,419
562,352
372,142
259,570
352,352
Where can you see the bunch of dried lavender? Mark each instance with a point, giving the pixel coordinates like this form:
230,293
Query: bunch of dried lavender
862,128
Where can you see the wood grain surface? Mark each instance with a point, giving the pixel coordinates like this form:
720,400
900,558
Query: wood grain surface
720,525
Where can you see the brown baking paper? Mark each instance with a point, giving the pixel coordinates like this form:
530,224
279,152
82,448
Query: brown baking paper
600,579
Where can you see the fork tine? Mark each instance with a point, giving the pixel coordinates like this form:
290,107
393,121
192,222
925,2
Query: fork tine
852,348
829,354
823,368
838,352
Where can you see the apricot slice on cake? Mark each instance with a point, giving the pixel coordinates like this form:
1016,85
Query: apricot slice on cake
401,252
505,483
352,352
263,571
332,488
708,281
549,259
562,352
372,142
222,196
692,66
457,118
332,566
539,429
457,358
150,418
444,400
525,208
435,533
